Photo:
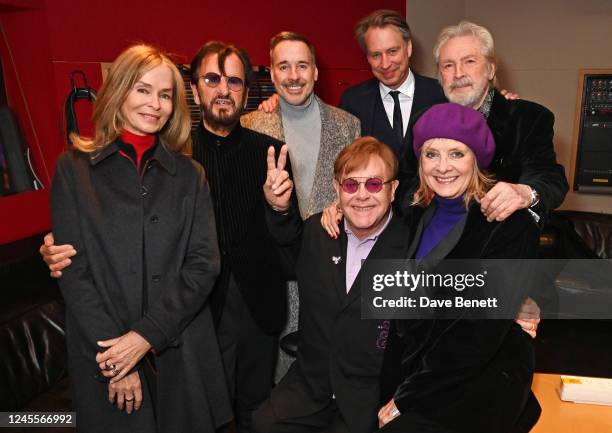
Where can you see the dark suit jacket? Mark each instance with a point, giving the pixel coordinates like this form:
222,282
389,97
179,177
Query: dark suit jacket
525,153
364,102
468,375
338,352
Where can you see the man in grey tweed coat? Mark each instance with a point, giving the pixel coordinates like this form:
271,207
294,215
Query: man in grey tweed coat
314,131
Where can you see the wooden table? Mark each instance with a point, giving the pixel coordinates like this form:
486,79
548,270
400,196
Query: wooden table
563,417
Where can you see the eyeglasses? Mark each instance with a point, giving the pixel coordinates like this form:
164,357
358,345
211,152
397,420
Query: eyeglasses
373,184
212,79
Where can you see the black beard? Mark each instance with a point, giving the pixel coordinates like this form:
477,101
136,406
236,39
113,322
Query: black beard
223,120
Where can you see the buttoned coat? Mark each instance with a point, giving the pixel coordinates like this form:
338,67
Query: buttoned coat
338,129
147,258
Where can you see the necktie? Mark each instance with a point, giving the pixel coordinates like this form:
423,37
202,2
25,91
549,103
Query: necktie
398,126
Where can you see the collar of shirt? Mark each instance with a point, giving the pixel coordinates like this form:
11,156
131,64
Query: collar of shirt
358,250
406,89
406,97
217,143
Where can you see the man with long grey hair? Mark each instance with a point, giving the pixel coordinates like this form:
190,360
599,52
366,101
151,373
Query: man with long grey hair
525,162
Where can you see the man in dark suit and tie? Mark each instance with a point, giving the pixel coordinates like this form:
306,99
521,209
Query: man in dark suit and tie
386,104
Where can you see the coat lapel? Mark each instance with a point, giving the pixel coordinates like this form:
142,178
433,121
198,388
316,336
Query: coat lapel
374,103
422,223
445,246
420,99
498,123
96,157
339,250
276,123
327,143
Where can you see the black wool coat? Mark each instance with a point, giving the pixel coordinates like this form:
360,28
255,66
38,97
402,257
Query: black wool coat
468,375
147,259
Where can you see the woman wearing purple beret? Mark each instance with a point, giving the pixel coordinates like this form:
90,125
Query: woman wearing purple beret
459,375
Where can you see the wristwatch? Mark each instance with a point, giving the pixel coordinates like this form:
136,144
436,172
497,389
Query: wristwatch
535,197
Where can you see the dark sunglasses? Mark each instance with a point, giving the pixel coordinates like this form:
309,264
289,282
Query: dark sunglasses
373,184
212,79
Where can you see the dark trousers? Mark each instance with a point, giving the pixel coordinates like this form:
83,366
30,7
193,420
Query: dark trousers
249,357
327,420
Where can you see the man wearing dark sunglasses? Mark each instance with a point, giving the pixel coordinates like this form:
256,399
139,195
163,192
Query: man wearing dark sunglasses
334,383
249,299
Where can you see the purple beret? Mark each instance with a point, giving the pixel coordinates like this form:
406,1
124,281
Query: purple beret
459,123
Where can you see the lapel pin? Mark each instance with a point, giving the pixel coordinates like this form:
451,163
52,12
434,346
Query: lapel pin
336,259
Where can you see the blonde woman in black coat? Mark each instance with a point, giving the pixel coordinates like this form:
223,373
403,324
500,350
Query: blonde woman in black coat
138,211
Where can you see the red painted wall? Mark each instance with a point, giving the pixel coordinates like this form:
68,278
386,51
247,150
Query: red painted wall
48,39
29,81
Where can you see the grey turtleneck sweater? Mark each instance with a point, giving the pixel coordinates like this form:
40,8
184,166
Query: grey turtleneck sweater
302,130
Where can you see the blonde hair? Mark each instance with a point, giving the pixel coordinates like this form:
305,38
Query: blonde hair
478,185
125,71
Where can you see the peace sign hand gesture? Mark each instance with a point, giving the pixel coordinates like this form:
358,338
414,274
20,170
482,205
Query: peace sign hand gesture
278,186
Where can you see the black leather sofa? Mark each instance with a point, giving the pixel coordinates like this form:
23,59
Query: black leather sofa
33,364
577,346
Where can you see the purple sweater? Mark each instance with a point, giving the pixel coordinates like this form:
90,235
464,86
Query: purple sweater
449,212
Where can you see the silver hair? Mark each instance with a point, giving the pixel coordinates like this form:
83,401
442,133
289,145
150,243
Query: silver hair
466,28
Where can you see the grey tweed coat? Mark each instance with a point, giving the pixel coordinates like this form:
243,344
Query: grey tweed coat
338,129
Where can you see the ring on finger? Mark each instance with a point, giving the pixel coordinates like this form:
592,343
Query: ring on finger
114,370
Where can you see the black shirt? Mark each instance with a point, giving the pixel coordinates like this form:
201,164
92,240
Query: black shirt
236,170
